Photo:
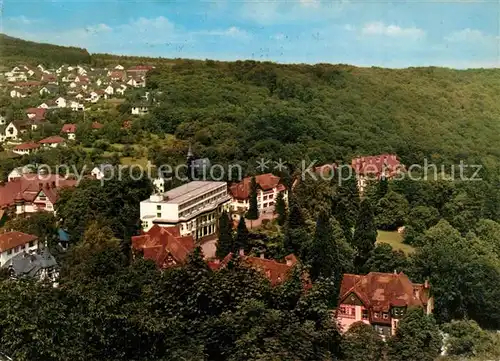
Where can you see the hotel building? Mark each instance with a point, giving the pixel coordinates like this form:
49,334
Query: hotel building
193,207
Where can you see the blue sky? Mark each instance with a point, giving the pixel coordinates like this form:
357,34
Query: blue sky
365,33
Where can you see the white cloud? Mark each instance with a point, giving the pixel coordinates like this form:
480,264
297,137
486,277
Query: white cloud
21,20
233,32
99,28
310,3
379,28
468,35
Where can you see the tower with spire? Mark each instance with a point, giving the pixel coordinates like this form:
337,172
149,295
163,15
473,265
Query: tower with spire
190,161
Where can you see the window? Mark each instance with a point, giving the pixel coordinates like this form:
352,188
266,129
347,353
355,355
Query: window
364,314
376,315
271,196
158,208
9,252
385,315
158,215
31,244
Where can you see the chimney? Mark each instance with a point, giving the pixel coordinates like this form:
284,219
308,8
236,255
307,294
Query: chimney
262,255
242,252
395,272
426,284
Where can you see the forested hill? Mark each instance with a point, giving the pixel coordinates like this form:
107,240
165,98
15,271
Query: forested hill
244,110
15,51
327,112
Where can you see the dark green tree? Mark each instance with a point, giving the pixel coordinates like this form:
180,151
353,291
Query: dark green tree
362,343
225,240
241,238
280,209
391,211
296,237
253,210
417,338
365,234
384,259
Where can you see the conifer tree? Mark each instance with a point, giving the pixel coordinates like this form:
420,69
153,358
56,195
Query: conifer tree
322,257
365,234
253,210
225,241
296,236
241,239
280,209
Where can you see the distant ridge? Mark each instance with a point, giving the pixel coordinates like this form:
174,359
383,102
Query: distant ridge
14,51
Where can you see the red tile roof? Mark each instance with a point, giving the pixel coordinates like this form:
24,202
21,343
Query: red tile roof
68,128
28,187
55,139
10,240
97,125
266,182
27,146
27,84
164,245
276,272
381,291
387,164
38,112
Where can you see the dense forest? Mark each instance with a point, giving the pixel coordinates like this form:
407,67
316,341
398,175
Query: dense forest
15,51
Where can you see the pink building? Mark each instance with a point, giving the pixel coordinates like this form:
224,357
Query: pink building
375,167
380,300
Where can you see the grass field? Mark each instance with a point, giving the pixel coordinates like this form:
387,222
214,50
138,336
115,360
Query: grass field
395,240
143,162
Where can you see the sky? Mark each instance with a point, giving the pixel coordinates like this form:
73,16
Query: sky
457,34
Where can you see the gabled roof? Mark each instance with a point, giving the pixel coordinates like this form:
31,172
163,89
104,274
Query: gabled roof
275,271
55,139
10,240
377,164
266,182
38,112
164,244
381,291
27,146
28,186
25,264
68,128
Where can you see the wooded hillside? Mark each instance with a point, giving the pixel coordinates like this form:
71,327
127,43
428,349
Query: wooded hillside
15,51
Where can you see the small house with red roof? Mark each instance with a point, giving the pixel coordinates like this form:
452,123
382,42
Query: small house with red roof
268,188
375,167
14,243
276,272
53,142
70,131
380,300
26,148
37,114
164,245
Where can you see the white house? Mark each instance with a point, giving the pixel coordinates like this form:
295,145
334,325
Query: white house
12,131
100,171
3,120
268,188
193,207
121,89
26,148
75,106
139,110
119,67
18,172
16,93
14,243
109,90
61,102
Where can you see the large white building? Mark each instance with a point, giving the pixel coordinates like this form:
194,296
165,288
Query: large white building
194,207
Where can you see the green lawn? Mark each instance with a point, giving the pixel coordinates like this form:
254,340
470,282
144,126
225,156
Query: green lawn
395,240
143,162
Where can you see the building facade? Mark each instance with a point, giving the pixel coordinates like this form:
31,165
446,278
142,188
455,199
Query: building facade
380,300
193,207
14,243
375,168
268,188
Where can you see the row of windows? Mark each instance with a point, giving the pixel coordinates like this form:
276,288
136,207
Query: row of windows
201,205
20,248
203,196
347,311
